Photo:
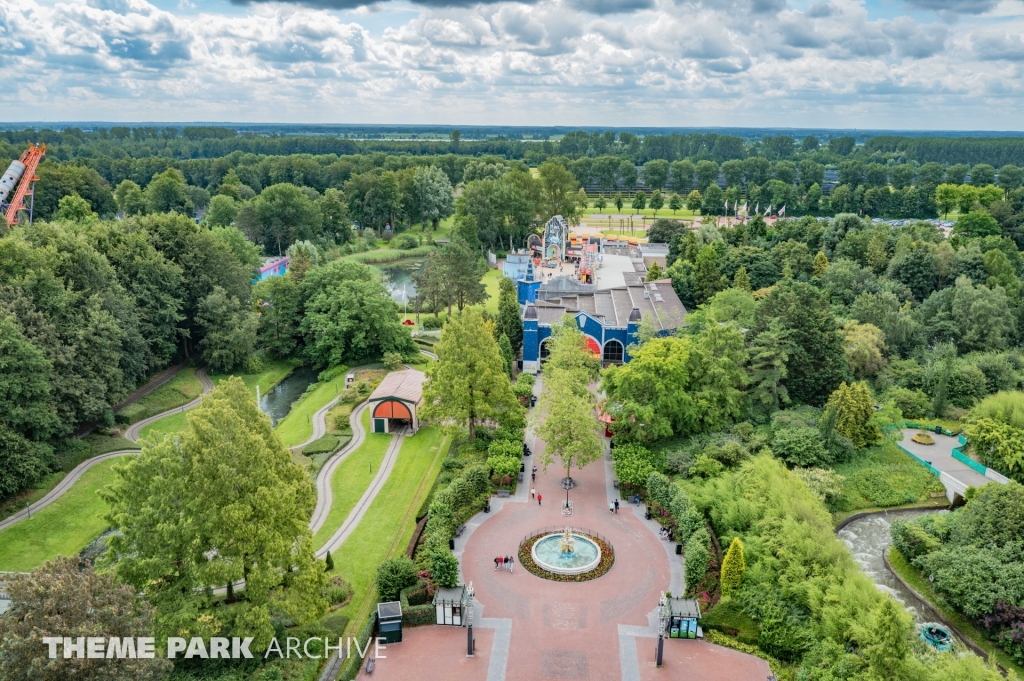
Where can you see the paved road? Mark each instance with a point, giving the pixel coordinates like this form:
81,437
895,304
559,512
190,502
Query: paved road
136,428
132,434
940,455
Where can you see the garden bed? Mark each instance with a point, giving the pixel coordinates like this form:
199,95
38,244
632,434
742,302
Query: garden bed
607,560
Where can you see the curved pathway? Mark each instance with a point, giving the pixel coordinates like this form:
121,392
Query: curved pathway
136,428
324,495
131,434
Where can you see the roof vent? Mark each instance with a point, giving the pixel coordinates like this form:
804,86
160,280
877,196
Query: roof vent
647,294
634,314
658,298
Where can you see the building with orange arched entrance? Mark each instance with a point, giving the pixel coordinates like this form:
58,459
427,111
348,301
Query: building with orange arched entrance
395,401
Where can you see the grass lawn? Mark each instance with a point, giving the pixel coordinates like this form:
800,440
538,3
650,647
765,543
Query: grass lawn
175,423
65,527
912,576
883,477
181,389
297,426
351,479
387,527
273,373
383,255
101,444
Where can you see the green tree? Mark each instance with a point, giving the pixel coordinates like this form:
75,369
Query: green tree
130,199
697,557
67,598
336,224
854,412
633,465
600,203
654,274
694,201
888,641
284,215
769,355
714,198
675,202
558,192
976,224
569,429
619,201
444,568
820,264
434,194
382,203
507,359
865,348
741,280
733,567
508,323
707,281
657,201
73,208
186,508
947,197
349,316
280,304
461,274
639,201
229,331
222,211
166,193
818,365
468,383
656,173
393,575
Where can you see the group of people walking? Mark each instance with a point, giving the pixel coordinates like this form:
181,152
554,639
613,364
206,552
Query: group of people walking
613,506
505,563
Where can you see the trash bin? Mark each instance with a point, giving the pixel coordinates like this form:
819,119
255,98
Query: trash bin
679,549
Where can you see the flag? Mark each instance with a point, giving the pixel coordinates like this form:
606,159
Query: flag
727,205
745,207
782,211
757,208
768,210
735,207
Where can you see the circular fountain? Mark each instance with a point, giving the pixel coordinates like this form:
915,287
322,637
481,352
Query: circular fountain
566,553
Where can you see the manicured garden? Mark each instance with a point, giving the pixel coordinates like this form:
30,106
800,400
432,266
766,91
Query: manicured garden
351,478
387,527
65,527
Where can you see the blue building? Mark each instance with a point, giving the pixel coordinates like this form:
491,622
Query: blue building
609,319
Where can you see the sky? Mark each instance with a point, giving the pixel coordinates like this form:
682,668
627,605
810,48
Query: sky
869,64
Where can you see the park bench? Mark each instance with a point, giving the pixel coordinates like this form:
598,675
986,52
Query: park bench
503,494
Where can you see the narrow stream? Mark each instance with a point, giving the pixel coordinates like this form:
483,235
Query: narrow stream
279,400
867,539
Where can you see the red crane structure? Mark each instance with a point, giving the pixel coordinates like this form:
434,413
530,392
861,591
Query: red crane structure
21,179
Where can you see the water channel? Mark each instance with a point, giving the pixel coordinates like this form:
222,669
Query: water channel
398,277
867,539
279,400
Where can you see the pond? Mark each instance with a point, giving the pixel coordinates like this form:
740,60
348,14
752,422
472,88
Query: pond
279,400
867,539
398,277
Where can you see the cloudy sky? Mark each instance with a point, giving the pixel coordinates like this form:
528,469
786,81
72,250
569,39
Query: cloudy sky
923,64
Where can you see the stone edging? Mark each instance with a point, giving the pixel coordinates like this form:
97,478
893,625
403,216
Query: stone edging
866,514
599,571
927,602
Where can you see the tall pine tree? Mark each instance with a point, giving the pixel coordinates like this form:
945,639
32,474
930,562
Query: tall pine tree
509,322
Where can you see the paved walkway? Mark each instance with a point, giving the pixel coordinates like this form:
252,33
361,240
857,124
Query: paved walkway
131,434
529,628
940,455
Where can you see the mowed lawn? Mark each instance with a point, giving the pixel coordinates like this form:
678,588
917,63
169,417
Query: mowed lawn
65,527
297,426
387,527
274,373
181,389
175,423
351,479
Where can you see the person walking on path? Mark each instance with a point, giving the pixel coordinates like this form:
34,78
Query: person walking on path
496,563
538,500
611,507
511,563
616,505
533,493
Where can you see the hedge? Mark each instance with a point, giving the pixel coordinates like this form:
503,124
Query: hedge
416,615
350,670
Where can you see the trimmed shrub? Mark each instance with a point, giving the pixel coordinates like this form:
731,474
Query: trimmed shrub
393,575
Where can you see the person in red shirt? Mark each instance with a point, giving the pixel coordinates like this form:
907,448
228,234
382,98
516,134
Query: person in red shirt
538,499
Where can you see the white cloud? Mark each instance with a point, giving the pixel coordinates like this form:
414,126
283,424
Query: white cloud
657,62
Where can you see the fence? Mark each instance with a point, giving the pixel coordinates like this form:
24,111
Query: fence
958,454
935,471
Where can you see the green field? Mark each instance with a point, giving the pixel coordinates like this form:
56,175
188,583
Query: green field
175,423
273,373
351,479
181,389
297,426
387,527
383,255
65,527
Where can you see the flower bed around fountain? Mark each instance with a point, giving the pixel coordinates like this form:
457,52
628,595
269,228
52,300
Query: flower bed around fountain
604,562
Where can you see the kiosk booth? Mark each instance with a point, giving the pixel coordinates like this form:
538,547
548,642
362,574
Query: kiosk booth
450,605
